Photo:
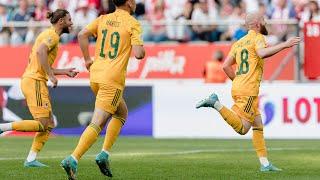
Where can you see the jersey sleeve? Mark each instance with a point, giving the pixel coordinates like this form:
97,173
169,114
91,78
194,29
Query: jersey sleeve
50,40
260,43
136,33
93,26
232,52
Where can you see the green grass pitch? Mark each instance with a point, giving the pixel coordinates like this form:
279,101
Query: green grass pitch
148,158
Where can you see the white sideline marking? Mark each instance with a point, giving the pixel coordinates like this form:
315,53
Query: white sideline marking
166,153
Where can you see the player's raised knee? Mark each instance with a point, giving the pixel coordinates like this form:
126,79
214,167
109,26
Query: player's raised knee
45,124
243,131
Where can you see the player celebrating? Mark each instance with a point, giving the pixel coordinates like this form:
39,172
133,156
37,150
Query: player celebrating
248,54
34,84
117,34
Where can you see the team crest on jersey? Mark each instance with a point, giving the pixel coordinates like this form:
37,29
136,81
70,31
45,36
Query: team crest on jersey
49,40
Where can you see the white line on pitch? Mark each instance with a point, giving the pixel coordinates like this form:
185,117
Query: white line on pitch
167,153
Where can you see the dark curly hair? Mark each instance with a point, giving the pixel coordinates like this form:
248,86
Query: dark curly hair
56,15
119,2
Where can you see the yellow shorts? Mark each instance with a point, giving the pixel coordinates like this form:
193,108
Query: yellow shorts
37,96
107,96
246,107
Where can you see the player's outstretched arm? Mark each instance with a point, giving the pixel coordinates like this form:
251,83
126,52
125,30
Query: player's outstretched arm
270,51
227,67
139,51
70,72
42,53
83,38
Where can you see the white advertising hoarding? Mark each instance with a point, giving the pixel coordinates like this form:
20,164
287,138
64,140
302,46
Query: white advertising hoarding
288,111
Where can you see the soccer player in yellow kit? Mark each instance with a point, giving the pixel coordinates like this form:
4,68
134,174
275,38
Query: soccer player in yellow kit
34,84
117,34
248,54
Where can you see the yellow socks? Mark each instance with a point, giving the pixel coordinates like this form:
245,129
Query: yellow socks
40,139
112,132
258,142
232,119
88,137
28,126
38,142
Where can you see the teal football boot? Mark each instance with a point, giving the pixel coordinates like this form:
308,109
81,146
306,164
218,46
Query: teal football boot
103,163
269,168
34,163
70,166
208,102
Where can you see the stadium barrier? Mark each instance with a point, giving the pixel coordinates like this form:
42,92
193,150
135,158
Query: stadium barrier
163,61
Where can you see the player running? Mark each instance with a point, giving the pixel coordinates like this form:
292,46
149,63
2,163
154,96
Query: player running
117,34
248,54
34,84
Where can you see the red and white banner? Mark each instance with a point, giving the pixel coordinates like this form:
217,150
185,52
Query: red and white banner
311,54
162,61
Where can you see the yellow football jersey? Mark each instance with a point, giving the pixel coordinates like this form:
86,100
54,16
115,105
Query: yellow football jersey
116,33
34,69
249,65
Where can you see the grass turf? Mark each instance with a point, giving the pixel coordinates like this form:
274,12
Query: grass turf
147,158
